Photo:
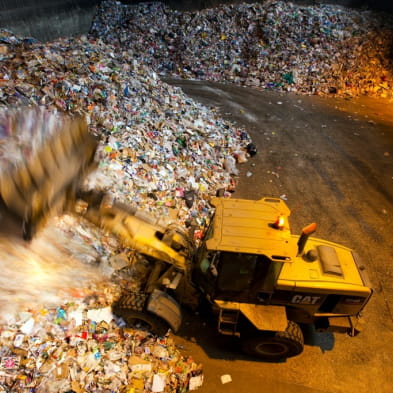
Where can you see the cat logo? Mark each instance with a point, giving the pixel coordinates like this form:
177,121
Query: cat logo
305,299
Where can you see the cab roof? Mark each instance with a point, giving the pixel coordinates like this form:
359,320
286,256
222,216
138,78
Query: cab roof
247,226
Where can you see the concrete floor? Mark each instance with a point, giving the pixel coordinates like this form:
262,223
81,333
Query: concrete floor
332,161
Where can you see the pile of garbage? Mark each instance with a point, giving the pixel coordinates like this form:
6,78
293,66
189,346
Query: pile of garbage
80,347
321,49
156,143
158,150
72,342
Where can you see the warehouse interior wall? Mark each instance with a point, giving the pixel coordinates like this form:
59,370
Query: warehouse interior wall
50,19
47,19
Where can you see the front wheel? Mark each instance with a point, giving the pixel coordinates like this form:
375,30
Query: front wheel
131,308
145,321
275,345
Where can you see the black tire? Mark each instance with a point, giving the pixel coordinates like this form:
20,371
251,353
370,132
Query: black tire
275,346
131,308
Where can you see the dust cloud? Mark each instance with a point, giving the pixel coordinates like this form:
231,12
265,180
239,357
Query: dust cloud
60,263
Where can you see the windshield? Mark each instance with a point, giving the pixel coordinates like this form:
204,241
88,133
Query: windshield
236,271
247,273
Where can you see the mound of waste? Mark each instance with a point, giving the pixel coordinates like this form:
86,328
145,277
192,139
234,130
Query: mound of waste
320,49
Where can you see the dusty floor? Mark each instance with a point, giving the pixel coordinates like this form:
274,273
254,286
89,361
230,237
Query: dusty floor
332,161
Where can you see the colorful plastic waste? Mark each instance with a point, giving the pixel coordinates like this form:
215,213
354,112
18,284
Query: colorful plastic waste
320,49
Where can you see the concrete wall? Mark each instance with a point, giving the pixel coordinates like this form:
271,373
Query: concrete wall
47,19
50,19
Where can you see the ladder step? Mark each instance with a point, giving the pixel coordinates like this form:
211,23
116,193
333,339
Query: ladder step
227,332
228,319
229,316
227,322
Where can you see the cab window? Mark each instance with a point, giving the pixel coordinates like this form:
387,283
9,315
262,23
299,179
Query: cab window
235,271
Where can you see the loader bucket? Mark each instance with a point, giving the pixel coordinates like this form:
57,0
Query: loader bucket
43,179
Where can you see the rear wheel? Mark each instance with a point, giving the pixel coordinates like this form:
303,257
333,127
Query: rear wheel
131,308
275,346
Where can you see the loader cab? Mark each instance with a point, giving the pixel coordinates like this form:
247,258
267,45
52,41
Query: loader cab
243,252
236,276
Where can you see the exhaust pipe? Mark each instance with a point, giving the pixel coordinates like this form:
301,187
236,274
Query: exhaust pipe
306,232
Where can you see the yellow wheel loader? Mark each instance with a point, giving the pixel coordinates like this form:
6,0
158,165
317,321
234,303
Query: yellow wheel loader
260,281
